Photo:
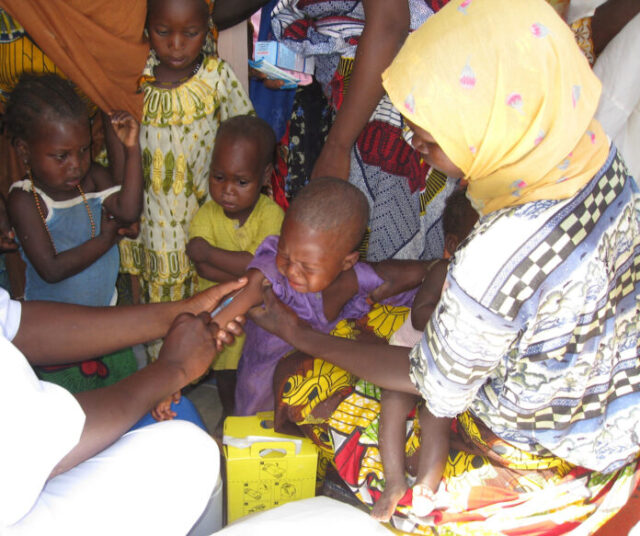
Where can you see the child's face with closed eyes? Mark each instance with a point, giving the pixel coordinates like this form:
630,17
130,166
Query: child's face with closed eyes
311,259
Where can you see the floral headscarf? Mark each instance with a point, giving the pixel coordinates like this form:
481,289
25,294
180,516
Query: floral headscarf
506,93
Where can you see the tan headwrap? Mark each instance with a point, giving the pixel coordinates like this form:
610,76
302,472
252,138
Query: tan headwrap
97,44
505,91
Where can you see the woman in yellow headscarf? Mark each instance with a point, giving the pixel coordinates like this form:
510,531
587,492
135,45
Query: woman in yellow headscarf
533,347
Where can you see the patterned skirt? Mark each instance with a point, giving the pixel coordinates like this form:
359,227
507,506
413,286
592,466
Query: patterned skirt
91,374
488,486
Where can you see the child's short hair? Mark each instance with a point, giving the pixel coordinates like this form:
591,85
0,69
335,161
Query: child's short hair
35,97
454,215
328,204
251,127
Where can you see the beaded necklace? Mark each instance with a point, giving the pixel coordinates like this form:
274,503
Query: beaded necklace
44,221
176,83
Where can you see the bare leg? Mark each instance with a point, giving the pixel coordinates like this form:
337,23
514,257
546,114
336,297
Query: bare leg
434,449
392,438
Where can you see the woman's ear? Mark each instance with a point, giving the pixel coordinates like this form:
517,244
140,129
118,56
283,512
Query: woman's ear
350,260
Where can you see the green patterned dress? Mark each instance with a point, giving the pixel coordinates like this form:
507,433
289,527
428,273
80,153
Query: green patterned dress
177,136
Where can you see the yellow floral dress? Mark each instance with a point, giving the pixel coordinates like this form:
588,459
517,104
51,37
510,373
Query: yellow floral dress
177,135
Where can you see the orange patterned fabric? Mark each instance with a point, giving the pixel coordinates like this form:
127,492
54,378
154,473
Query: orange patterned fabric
97,44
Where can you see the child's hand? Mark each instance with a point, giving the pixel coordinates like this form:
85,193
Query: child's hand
126,128
109,226
7,236
130,231
268,82
163,412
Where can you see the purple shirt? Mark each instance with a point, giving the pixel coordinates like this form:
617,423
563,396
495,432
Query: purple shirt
262,350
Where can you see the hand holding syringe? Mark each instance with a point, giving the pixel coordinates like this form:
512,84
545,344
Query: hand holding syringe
240,301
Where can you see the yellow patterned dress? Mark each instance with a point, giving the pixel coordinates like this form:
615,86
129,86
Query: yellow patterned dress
177,136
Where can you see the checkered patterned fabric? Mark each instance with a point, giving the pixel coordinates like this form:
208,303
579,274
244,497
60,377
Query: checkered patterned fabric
555,248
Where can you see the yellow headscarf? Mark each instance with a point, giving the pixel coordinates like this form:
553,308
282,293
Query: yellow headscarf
505,91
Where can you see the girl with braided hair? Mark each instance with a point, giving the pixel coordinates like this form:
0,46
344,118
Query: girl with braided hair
68,212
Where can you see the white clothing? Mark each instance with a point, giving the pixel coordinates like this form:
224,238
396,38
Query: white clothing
317,516
406,335
41,423
154,480
579,9
618,67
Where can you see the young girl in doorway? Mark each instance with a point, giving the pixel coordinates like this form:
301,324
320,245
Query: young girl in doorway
69,213
187,93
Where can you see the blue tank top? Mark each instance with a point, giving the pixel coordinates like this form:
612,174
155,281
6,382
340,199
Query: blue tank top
69,226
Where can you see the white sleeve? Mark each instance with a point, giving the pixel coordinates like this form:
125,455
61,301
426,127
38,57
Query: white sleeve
40,422
10,311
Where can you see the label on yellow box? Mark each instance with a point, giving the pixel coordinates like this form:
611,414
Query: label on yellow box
264,468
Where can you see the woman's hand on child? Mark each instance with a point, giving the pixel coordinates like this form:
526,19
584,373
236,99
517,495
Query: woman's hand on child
126,128
208,300
276,317
227,335
190,345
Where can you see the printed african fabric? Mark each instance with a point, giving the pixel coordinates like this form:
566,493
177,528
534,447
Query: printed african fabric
541,344
488,487
403,221
92,373
263,350
177,135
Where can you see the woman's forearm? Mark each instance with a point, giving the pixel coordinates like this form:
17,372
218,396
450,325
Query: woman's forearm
386,28
113,410
381,364
52,333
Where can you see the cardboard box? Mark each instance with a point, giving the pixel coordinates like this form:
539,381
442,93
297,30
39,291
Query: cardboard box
265,469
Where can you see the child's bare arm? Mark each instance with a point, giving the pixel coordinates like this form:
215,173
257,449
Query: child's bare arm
115,150
338,293
124,130
428,295
35,241
246,298
216,264
399,275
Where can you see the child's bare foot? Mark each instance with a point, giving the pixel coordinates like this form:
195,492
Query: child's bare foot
386,504
424,500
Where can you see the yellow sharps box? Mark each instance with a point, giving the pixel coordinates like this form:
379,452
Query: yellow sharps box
264,468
